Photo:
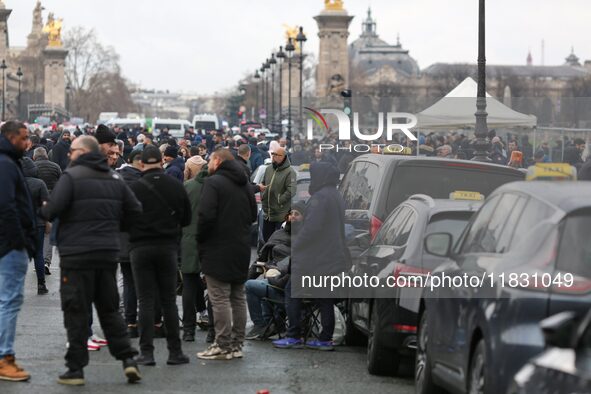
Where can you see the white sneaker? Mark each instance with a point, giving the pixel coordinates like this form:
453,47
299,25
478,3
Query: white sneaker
214,352
91,345
98,340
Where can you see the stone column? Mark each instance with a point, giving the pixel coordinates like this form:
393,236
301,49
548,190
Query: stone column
55,76
332,72
4,45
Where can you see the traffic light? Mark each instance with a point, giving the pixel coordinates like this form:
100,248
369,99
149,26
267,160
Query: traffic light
346,95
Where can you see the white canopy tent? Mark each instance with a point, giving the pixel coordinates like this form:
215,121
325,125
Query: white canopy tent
457,109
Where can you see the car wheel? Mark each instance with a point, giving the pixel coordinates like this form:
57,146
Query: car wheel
353,337
380,360
476,380
423,378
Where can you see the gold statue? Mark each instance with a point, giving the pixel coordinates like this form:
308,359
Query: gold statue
53,29
333,5
292,32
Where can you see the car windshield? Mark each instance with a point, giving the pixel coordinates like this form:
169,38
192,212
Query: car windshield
204,125
574,255
449,222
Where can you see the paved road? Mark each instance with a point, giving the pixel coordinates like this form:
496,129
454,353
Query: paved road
40,349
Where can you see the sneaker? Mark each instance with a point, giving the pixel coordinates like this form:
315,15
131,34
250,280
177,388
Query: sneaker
202,318
145,359
319,345
132,331
91,345
178,359
210,336
214,352
189,335
255,332
237,351
11,371
72,378
288,343
99,341
47,271
131,371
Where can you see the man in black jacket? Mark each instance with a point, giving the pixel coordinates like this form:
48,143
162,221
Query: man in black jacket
226,211
17,242
59,153
91,201
154,242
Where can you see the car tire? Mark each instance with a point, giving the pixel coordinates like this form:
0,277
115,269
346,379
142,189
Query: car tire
477,376
353,336
423,378
380,360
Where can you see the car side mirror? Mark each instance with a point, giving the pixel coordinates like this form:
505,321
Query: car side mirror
363,240
439,244
559,329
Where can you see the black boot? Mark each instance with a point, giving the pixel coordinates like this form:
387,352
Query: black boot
177,358
145,359
189,335
72,378
41,288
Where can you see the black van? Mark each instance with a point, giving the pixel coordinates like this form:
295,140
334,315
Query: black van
376,184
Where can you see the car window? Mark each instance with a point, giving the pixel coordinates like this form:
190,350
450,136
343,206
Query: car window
534,212
402,237
494,229
359,185
505,238
449,222
479,226
390,230
574,253
440,181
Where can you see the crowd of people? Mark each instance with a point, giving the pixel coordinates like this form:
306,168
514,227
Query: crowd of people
177,212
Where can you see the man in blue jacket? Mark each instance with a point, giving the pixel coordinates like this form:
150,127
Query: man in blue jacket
17,242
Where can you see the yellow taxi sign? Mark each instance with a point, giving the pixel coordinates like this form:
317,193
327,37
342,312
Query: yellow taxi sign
304,167
466,195
551,172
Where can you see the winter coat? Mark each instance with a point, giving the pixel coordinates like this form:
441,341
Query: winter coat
60,154
176,169
49,172
257,157
18,228
281,187
189,256
130,174
161,221
320,246
226,211
37,187
91,202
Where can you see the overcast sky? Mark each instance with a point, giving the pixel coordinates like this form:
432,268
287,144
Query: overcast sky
207,46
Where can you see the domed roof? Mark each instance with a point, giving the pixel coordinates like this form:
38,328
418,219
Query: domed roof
369,53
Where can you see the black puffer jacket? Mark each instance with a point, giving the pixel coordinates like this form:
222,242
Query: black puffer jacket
91,202
226,211
37,187
49,172
17,218
130,174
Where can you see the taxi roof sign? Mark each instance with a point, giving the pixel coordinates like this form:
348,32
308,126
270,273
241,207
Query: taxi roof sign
466,195
551,171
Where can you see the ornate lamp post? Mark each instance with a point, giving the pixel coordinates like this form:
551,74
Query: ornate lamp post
68,90
289,48
3,66
256,78
267,66
481,143
272,64
301,38
280,58
19,74
263,92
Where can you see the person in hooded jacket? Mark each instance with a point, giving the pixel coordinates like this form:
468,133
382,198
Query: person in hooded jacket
257,157
39,195
174,164
226,211
60,152
319,249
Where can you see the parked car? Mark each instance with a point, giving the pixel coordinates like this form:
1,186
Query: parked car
565,366
529,243
390,323
376,184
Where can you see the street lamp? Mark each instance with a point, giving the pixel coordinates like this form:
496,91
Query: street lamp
280,58
19,74
301,38
272,64
256,78
68,89
263,97
289,48
481,143
267,66
3,66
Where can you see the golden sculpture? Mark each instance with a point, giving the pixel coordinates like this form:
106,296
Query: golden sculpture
333,5
53,29
292,32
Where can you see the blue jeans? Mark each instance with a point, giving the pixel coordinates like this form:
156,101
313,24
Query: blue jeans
260,311
295,307
13,269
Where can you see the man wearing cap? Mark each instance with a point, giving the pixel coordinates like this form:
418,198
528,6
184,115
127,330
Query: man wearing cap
108,146
154,239
173,164
91,201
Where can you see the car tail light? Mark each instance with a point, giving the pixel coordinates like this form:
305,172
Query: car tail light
374,226
405,328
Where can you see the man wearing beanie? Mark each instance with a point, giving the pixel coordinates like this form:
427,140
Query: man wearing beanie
154,239
173,164
106,139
